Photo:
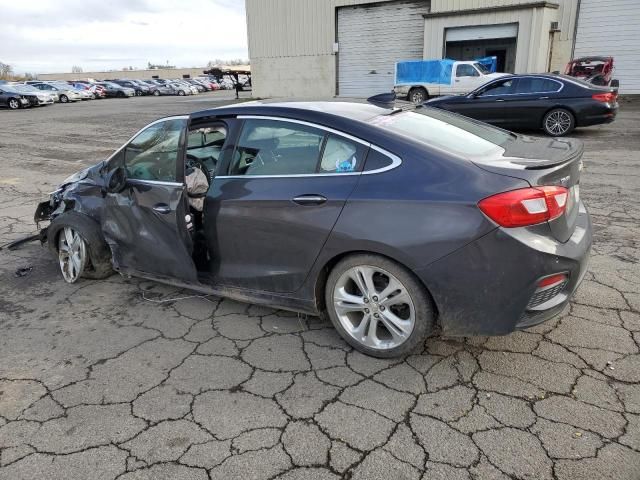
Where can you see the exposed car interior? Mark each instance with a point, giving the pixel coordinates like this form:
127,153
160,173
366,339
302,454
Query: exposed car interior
204,146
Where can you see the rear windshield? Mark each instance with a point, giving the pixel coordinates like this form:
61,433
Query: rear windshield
447,131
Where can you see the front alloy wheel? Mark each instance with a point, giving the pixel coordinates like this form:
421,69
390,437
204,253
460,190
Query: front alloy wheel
14,104
558,122
72,254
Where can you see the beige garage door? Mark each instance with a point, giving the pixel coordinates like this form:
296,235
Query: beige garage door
371,39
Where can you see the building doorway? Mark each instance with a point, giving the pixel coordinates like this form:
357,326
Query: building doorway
503,48
501,58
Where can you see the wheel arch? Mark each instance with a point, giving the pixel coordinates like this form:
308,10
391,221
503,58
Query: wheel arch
419,87
563,107
323,274
89,229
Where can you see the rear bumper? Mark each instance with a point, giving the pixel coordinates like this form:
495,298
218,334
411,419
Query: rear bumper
485,287
605,113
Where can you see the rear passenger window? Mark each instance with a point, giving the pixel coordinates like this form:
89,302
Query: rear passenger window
272,147
536,85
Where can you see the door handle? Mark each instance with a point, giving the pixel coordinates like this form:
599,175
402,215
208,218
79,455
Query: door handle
499,99
162,208
543,98
309,199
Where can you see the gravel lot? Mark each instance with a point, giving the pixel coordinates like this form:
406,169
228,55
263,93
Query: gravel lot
96,382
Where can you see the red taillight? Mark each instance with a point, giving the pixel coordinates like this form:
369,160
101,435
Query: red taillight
526,206
552,280
608,97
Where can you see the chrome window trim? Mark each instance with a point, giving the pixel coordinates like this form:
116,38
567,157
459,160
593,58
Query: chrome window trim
308,124
137,181
527,93
395,160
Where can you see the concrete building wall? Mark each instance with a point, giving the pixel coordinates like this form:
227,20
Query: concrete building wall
291,42
562,41
291,46
141,74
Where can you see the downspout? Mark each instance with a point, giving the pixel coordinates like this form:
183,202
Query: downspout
552,36
575,30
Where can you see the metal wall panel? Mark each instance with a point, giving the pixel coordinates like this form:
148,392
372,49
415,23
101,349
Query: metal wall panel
372,39
611,28
566,12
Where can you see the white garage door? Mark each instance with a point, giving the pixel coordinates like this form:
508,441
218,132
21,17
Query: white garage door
372,39
482,32
612,28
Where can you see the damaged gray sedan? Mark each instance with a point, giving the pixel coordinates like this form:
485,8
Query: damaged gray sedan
392,221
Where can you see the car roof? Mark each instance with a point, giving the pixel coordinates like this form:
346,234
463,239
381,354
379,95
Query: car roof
350,110
591,59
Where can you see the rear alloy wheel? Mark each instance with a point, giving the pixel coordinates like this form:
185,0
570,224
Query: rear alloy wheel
181,93
138,93
14,104
72,254
418,95
378,306
156,93
64,99
558,122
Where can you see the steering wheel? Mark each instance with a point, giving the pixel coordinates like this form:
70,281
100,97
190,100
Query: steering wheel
195,162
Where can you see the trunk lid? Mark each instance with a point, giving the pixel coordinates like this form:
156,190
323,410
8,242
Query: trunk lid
543,161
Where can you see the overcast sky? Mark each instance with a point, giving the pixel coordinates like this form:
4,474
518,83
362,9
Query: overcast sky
41,36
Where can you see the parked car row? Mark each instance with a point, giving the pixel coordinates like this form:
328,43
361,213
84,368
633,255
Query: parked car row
46,92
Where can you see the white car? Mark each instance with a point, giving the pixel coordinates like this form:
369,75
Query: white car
180,88
64,93
44,98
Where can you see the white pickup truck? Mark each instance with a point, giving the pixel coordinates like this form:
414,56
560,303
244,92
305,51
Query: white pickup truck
417,81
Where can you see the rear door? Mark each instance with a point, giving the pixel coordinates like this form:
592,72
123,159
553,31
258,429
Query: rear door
532,98
269,214
145,223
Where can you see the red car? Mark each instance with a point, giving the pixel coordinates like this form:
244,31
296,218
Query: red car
596,70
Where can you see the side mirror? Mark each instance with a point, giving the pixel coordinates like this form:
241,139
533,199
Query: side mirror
116,180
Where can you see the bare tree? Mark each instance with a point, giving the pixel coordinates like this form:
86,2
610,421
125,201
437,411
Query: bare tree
234,61
6,70
76,69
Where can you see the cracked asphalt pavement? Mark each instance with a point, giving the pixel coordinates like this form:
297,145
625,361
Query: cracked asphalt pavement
120,379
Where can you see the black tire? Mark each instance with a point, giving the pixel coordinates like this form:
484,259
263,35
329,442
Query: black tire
418,95
64,99
121,94
425,315
99,264
156,93
13,104
181,93
138,93
558,122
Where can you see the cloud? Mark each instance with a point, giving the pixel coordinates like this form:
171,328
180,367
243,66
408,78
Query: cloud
53,36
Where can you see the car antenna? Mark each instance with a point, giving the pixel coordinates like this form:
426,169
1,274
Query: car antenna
388,101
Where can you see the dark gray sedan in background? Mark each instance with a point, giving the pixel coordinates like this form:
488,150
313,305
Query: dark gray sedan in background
392,222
